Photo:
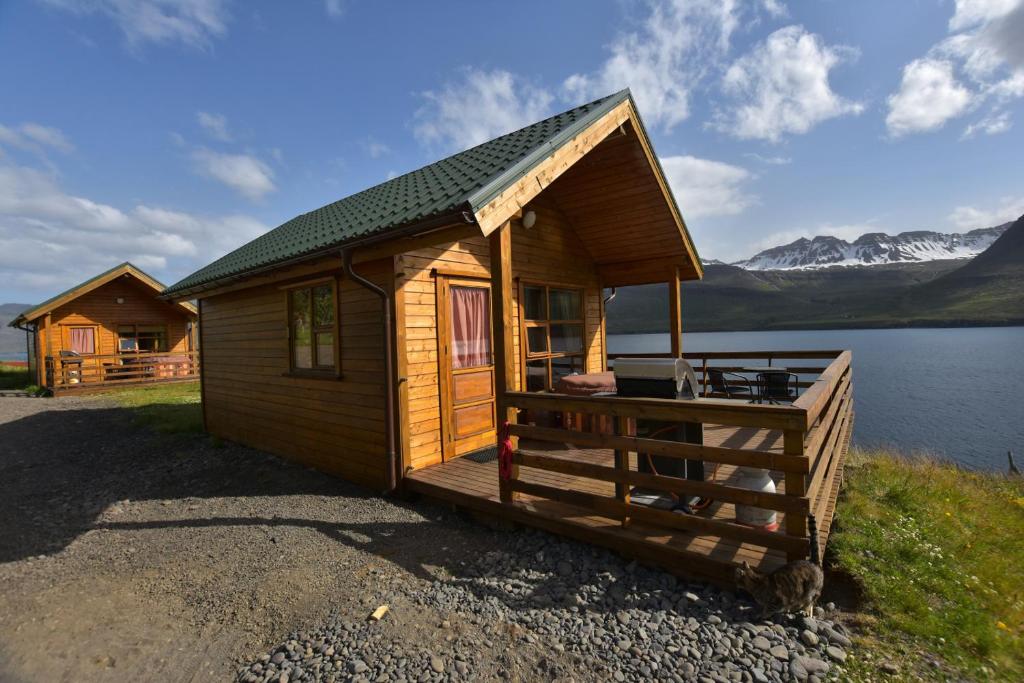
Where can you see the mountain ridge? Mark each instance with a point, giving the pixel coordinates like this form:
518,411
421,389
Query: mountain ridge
873,248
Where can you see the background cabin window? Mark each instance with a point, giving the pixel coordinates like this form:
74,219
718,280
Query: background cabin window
82,340
141,338
553,330
313,331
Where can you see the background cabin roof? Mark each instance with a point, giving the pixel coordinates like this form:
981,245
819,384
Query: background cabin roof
92,283
460,183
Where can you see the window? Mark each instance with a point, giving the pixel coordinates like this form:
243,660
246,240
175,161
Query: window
82,340
553,330
313,329
141,338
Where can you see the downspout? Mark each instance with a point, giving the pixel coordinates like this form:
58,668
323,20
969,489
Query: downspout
389,380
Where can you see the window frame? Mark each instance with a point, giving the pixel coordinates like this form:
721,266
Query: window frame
526,355
316,371
135,335
95,337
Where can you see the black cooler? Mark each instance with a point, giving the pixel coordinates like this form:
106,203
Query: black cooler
671,378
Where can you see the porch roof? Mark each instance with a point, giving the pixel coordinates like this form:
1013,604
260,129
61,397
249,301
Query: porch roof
480,185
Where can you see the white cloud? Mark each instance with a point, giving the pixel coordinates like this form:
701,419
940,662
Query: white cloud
707,188
242,172
192,22
971,218
775,8
216,125
35,137
664,59
929,95
72,237
782,87
481,106
771,161
335,8
981,63
376,149
990,125
969,13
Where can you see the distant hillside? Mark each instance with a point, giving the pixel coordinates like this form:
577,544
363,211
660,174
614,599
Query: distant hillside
11,340
874,248
989,289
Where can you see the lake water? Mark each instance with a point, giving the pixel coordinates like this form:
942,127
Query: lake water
955,393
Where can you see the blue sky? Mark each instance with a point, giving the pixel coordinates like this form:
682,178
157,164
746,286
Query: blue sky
168,132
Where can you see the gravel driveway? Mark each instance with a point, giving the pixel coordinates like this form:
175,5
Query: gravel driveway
127,555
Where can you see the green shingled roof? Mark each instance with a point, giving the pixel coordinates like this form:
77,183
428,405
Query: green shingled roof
462,182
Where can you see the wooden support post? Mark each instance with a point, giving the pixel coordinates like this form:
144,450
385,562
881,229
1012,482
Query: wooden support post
202,364
796,485
501,325
49,378
675,321
622,463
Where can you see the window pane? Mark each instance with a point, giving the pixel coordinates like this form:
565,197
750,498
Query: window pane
325,349
536,375
566,338
560,367
533,303
125,344
566,305
323,306
302,346
536,339
471,327
151,342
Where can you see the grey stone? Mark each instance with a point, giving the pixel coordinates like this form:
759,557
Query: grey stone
437,664
809,637
762,643
780,652
836,653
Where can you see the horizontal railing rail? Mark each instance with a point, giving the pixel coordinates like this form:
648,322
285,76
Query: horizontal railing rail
90,370
814,431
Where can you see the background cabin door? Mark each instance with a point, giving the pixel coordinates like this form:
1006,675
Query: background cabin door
466,365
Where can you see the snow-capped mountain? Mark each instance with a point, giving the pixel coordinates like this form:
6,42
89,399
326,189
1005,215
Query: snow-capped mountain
874,248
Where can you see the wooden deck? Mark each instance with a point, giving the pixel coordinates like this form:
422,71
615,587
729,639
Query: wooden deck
475,486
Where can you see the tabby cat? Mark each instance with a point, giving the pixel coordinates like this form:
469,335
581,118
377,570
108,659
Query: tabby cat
793,587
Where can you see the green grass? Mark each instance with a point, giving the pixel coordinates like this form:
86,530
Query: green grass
939,553
167,408
13,377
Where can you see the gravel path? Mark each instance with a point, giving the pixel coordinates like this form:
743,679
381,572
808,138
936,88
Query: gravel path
128,555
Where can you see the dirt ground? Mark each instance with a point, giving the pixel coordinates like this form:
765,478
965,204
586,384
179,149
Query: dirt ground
132,556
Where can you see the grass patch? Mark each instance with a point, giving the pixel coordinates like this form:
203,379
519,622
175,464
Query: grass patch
939,553
167,408
13,376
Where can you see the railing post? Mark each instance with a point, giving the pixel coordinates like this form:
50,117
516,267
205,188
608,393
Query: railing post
796,485
622,463
501,326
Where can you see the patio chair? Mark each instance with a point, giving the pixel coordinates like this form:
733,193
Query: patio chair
719,385
777,387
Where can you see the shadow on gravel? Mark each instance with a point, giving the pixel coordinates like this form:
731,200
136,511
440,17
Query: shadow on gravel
61,468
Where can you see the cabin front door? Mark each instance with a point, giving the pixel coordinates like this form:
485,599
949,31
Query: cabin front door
466,366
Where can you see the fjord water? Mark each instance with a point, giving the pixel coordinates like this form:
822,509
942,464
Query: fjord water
953,393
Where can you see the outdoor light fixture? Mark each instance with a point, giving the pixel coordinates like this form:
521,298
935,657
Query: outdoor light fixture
119,299
529,219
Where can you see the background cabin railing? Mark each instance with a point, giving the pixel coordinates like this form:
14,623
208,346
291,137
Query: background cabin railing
801,444
92,370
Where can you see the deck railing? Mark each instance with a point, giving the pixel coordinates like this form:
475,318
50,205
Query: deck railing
95,370
813,431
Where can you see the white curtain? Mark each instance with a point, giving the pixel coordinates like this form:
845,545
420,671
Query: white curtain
471,329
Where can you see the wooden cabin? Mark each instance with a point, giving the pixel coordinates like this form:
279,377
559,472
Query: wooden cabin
111,330
389,337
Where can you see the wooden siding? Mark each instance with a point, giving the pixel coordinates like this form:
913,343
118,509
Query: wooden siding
99,308
335,424
550,252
